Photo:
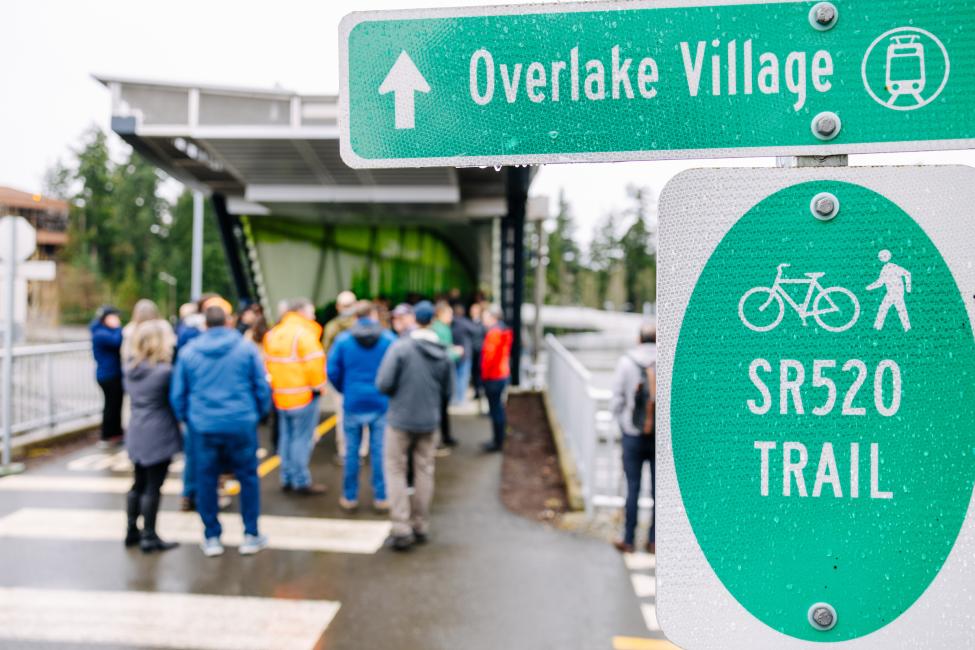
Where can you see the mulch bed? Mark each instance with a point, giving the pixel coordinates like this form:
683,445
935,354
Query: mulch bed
531,481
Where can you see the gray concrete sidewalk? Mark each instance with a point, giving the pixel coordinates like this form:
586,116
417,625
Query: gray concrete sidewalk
487,580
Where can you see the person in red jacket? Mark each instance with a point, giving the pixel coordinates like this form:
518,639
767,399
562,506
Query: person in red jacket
496,371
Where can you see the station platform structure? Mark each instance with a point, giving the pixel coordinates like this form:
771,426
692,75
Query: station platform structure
297,221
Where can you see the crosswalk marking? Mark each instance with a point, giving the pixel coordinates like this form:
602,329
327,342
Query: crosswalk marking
640,561
92,484
285,533
649,611
163,620
637,643
643,585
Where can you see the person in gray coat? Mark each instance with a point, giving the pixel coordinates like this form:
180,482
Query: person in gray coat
418,377
153,436
635,381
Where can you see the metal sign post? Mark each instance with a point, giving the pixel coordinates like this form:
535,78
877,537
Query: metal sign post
9,226
665,79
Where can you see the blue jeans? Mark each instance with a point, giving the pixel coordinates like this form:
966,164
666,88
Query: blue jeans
462,379
638,450
189,463
295,442
214,452
494,389
353,424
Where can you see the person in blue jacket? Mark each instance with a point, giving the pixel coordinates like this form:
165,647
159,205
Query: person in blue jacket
219,389
106,345
353,363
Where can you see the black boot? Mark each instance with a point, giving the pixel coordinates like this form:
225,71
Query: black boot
150,542
132,512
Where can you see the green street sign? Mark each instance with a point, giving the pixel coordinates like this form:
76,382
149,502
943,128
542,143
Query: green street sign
648,80
817,420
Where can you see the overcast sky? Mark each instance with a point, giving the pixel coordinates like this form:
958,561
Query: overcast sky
51,48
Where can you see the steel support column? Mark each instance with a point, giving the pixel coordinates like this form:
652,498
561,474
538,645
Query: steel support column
232,236
513,260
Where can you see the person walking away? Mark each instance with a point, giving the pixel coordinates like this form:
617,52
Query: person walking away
106,345
352,368
496,372
345,306
219,390
417,376
153,436
296,363
463,331
476,310
633,404
442,328
193,326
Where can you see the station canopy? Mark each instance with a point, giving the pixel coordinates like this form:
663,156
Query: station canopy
275,151
312,224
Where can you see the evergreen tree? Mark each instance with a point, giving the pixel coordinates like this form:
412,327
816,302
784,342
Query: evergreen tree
565,263
638,249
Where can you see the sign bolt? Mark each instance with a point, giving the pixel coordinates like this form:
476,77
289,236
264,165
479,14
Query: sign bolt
822,616
824,206
826,126
823,16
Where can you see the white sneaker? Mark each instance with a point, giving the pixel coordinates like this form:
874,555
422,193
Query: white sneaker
252,544
212,547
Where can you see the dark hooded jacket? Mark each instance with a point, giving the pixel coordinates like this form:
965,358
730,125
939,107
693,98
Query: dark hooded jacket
353,363
418,377
106,345
153,435
219,384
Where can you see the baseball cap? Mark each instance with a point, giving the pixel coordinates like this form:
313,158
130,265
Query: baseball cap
402,309
424,312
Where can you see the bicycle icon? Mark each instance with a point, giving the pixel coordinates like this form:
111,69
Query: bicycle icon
835,309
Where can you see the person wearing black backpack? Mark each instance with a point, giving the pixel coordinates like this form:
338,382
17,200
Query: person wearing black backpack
634,406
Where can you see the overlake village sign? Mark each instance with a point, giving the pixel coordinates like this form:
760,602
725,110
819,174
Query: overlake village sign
641,80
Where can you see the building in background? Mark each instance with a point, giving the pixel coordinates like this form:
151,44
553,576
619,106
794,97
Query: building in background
50,218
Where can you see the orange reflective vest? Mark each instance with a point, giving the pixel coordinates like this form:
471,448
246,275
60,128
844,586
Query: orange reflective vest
295,360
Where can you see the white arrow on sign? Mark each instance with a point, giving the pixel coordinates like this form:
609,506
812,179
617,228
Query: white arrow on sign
403,80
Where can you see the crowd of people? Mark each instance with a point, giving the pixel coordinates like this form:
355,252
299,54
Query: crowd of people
205,386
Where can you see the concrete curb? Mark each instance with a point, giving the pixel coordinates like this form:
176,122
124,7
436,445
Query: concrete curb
24,443
573,486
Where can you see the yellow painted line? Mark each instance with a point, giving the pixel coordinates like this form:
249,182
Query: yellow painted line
637,643
272,463
268,466
325,427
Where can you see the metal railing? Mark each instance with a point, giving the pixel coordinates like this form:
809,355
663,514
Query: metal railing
53,385
591,431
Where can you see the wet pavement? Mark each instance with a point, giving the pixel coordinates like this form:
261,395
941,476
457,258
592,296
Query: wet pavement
487,579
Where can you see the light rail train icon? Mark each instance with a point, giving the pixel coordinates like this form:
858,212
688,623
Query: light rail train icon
905,68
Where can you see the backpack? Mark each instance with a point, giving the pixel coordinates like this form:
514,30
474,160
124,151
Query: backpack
645,401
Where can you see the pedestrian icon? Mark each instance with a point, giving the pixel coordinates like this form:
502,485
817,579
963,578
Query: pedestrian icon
835,309
895,279
905,68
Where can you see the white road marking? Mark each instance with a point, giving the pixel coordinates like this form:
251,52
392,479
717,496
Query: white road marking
640,561
163,620
89,484
285,533
650,616
643,585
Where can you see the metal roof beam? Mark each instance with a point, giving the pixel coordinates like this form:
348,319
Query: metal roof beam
353,194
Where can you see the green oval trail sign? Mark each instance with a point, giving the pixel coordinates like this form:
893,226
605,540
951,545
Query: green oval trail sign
820,395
